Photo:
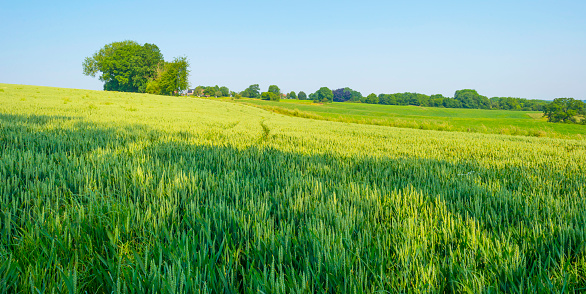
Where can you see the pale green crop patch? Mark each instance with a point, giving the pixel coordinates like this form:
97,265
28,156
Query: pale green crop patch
183,195
505,122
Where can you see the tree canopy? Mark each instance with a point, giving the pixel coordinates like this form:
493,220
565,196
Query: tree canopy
274,89
567,110
213,91
371,99
302,95
171,78
324,95
124,66
346,94
130,67
292,95
471,99
253,91
270,96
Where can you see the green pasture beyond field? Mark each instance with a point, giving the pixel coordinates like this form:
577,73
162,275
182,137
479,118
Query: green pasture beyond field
106,192
523,123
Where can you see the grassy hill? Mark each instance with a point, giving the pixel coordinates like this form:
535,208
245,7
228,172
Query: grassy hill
113,192
522,123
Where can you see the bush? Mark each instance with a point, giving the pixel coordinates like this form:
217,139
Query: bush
269,96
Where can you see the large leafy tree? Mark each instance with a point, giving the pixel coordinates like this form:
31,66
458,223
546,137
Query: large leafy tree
199,90
274,89
324,94
253,91
567,110
346,94
225,91
270,96
340,95
124,66
212,91
171,78
471,99
302,95
371,99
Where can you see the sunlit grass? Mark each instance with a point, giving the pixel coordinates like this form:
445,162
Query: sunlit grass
519,123
115,192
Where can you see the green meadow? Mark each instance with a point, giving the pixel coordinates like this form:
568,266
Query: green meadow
523,123
107,192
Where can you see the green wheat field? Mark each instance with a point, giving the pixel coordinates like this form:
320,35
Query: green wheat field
520,123
106,192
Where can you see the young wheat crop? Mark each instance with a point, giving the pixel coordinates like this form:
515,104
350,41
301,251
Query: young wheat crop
114,192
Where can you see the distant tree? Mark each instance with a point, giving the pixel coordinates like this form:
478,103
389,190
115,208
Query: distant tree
355,96
270,96
171,78
372,99
387,99
124,66
341,95
471,99
212,91
292,95
274,89
253,91
512,103
198,91
225,92
324,95
423,100
232,94
436,100
452,103
302,96
346,94
567,110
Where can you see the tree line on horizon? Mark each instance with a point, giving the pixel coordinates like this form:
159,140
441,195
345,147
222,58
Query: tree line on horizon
566,110
130,67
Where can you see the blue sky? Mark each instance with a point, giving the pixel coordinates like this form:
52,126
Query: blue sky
531,49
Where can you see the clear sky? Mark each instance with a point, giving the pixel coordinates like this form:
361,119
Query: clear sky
531,49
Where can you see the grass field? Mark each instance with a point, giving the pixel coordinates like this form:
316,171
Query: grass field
523,123
131,193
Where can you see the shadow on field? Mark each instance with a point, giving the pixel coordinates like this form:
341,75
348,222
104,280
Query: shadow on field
71,134
232,212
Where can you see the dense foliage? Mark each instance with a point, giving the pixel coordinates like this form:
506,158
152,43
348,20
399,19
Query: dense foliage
270,96
466,98
462,99
302,95
275,90
370,99
171,78
292,95
212,91
346,94
124,66
566,110
253,91
323,95
511,103
130,67
469,98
